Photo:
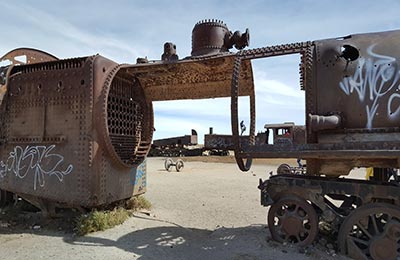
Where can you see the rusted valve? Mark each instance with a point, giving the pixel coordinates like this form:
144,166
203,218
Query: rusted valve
213,36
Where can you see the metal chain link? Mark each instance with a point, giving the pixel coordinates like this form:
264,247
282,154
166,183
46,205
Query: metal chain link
277,50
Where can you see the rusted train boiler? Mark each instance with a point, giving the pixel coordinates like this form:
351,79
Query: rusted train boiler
75,132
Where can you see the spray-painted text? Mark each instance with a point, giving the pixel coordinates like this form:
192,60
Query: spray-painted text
38,161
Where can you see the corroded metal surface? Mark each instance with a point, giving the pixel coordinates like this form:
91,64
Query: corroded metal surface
213,36
352,115
282,134
177,141
244,160
351,108
27,56
293,220
74,132
314,188
342,203
222,142
191,78
20,56
371,232
127,117
176,146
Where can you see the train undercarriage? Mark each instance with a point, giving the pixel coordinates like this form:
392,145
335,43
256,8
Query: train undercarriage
364,214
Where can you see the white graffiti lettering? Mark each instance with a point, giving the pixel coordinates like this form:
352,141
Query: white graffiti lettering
396,112
374,77
36,160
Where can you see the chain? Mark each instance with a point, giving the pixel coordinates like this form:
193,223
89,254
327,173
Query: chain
276,50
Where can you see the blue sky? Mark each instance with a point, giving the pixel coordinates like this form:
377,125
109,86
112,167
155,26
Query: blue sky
125,30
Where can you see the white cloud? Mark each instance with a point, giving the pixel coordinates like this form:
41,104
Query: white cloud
59,35
273,87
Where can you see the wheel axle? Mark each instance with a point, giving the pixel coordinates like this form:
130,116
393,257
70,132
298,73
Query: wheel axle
169,163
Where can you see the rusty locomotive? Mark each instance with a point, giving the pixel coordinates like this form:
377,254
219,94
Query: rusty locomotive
75,131
352,104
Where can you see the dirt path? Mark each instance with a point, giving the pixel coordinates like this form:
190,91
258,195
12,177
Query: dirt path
207,211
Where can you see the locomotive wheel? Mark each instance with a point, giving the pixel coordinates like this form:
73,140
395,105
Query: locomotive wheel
292,219
371,231
284,169
179,165
168,164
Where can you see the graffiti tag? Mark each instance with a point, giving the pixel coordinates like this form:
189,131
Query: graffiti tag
374,77
36,160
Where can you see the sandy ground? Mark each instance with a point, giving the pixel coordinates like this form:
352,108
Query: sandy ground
207,211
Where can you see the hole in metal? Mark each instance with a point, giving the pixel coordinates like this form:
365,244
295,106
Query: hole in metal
349,53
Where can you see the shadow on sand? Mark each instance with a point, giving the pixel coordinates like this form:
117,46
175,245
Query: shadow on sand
173,242
176,242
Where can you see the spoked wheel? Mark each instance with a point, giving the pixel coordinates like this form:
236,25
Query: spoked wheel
292,219
168,164
179,165
371,231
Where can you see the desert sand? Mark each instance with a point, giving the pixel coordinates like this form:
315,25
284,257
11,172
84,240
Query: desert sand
210,210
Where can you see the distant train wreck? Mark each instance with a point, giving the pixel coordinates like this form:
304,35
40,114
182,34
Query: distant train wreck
177,146
187,145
